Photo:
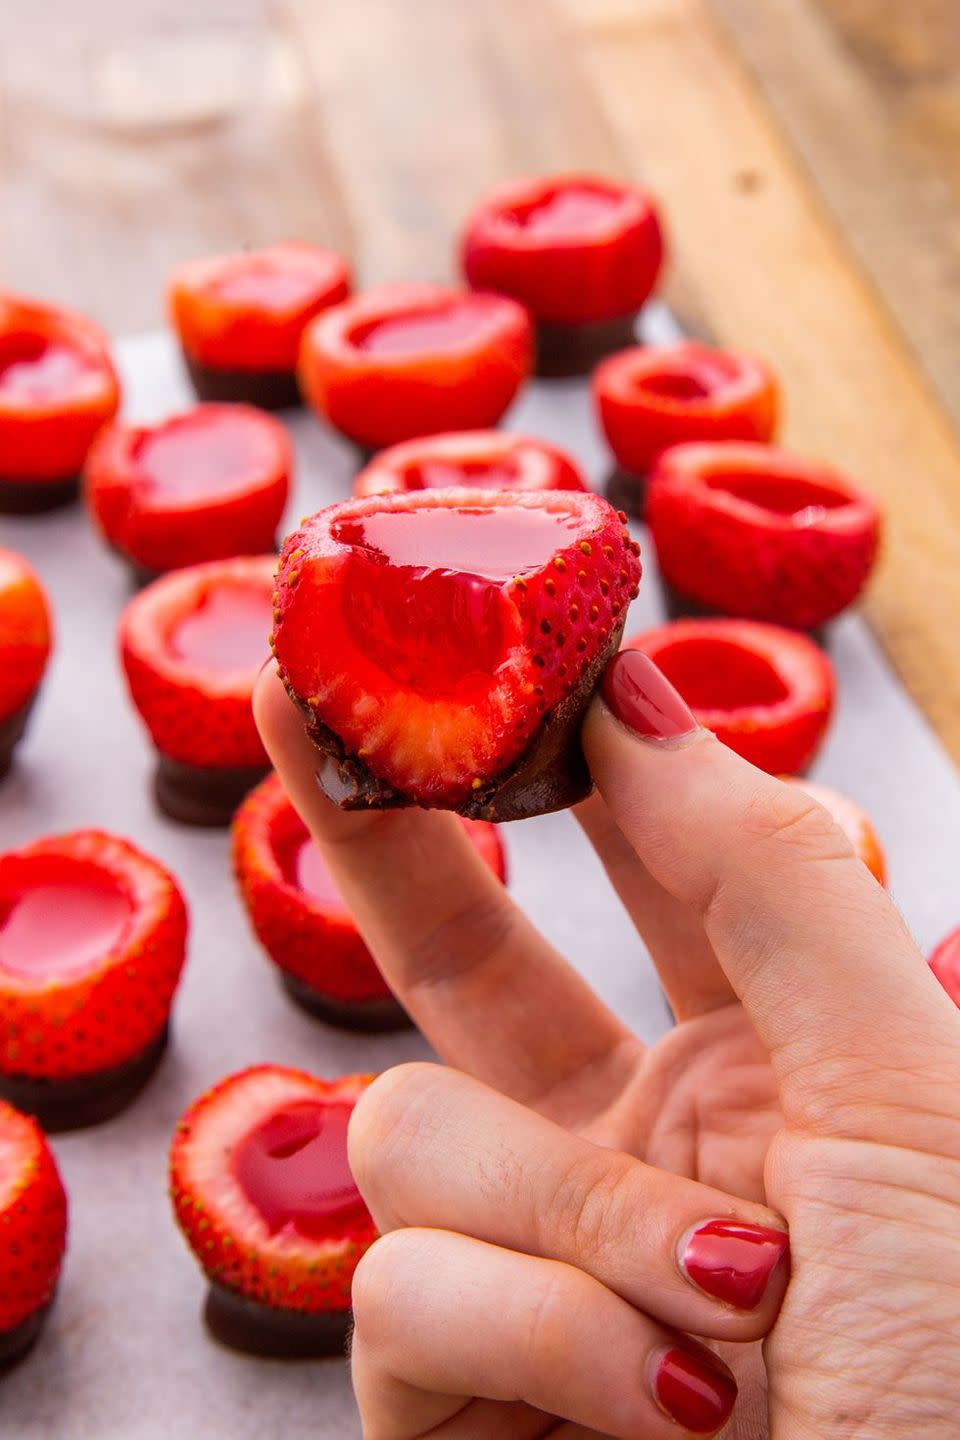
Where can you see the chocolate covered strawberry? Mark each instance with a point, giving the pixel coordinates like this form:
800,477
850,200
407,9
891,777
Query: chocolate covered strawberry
192,645
204,485
853,821
488,459
765,691
444,645
92,943
33,1232
751,530
301,918
945,964
25,640
262,1190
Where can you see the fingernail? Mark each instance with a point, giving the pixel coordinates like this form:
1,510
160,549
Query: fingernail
642,698
695,1390
733,1262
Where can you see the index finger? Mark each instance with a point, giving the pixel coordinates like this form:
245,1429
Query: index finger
485,987
833,983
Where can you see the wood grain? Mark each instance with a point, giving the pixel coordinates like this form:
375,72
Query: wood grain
805,151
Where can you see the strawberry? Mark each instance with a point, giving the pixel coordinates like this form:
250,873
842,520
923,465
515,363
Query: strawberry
751,530
262,1190
300,917
407,360
57,387
92,943
444,644
853,821
765,691
33,1232
192,645
204,485
25,640
945,964
653,396
489,459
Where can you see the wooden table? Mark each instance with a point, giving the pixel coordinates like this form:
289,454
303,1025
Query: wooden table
806,153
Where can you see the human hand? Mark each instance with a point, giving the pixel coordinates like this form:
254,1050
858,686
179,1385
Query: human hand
542,1258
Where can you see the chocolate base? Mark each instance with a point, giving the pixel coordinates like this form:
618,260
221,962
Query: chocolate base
684,607
551,774
268,389
15,1343
201,796
12,731
377,1016
627,492
34,497
566,350
84,1100
256,1329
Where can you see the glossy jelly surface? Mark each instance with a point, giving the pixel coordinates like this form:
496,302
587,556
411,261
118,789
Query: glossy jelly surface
293,1168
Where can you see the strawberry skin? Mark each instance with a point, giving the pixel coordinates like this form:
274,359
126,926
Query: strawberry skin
33,1219
765,691
853,821
432,636
107,1011
204,485
196,714
25,632
751,530
289,1266
489,459
945,964
311,936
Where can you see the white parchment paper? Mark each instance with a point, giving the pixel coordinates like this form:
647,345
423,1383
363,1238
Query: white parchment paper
124,1356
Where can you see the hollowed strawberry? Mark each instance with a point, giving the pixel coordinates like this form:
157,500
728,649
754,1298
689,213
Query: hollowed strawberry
300,916
205,485
240,318
945,964
582,253
92,942
766,692
853,821
33,1232
263,1193
409,360
488,459
57,387
654,396
25,640
193,644
444,645
753,531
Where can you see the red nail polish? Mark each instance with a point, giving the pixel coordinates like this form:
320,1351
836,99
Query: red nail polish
733,1262
695,1390
641,696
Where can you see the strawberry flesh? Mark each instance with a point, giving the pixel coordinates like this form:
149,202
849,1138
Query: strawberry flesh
33,1222
432,633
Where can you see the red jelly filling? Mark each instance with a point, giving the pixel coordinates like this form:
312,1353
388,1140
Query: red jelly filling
570,212
34,371
61,927
204,453
265,287
227,631
303,867
714,674
293,1167
426,332
803,501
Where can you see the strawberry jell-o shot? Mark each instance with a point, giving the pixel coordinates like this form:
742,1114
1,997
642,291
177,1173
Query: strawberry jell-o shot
262,1190
92,943
25,642
489,459
765,691
444,645
33,1233
302,920
192,645
409,360
239,318
582,253
57,388
205,485
754,531
653,396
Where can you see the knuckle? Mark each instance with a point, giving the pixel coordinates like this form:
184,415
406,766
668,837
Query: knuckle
784,817
586,1216
386,1121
